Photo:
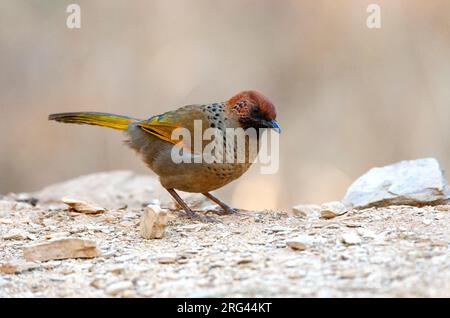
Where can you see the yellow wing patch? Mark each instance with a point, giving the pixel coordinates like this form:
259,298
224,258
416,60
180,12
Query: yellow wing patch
161,127
162,131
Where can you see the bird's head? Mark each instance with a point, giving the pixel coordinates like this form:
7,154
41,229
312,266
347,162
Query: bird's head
253,110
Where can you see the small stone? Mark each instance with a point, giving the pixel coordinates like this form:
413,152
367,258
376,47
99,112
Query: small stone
117,288
7,205
352,224
438,243
17,267
98,283
8,268
302,242
16,234
6,221
126,257
443,208
348,273
245,260
296,244
49,222
83,206
332,209
278,229
129,293
192,227
153,222
22,206
57,235
427,221
61,249
168,258
351,238
306,210
366,233
117,269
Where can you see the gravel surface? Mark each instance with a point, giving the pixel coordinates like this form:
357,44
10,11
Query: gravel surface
397,251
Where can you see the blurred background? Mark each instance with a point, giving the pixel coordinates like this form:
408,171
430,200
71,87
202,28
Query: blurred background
348,97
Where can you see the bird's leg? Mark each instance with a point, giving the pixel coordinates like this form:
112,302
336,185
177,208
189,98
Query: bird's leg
226,208
187,209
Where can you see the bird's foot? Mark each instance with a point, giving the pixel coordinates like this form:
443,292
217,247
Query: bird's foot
230,210
202,218
227,211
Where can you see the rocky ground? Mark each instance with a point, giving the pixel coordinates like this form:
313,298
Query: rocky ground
395,251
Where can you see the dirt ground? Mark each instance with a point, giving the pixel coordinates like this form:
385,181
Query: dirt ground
396,251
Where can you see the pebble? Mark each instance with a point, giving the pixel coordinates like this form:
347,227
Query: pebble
153,222
332,209
126,257
6,221
244,260
61,249
116,288
17,267
351,238
83,206
298,244
306,210
168,258
7,205
366,233
16,234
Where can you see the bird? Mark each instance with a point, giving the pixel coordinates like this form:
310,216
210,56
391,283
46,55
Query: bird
153,139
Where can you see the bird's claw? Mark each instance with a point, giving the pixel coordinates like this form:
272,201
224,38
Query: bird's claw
227,211
203,218
231,211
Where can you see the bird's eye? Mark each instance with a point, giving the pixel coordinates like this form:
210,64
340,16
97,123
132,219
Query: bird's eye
255,109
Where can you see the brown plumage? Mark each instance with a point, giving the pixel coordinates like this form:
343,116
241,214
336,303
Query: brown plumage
152,139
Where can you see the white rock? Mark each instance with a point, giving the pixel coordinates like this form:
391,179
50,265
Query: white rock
192,227
6,221
302,242
7,205
366,233
83,206
153,222
306,210
278,229
17,267
116,288
332,209
168,258
351,238
16,234
410,182
61,249
22,206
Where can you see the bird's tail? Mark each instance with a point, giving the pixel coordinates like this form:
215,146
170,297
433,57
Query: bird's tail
92,118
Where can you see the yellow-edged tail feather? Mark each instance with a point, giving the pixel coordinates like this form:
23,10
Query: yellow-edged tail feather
93,118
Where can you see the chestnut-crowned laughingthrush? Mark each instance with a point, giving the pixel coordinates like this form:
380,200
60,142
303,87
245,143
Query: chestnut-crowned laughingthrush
152,138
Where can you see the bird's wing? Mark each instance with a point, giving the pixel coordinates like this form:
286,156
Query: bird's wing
162,126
